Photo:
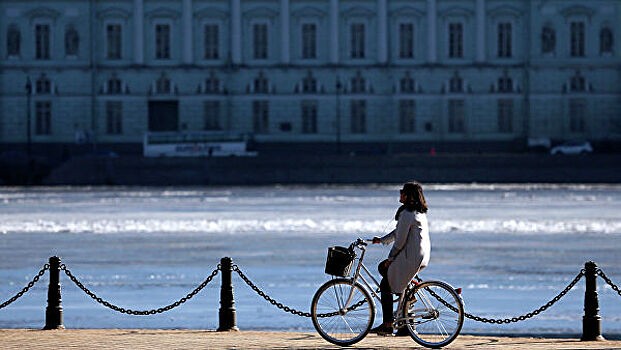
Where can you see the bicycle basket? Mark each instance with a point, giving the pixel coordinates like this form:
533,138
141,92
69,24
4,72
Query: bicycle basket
340,261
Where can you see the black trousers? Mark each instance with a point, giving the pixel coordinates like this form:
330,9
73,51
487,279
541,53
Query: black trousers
386,293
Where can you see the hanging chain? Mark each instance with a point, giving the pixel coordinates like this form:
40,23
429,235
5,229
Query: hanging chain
518,318
266,297
140,312
28,286
284,307
609,281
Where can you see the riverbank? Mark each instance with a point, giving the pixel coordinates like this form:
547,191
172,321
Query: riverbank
206,339
351,169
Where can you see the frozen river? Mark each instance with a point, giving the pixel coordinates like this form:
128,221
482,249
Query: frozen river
510,247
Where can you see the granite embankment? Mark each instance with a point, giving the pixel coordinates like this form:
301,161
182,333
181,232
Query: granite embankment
205,339
308,169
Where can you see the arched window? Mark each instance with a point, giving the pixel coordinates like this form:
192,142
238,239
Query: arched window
505,84
261,85
212,84
358,83
43,85
13,41
406,84
162,85
309,83
115,86
456,84
577,84
548,40
72,41
605,40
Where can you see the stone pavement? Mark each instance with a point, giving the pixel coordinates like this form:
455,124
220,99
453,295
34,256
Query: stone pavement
206,339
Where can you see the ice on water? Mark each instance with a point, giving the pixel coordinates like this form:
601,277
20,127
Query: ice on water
510,247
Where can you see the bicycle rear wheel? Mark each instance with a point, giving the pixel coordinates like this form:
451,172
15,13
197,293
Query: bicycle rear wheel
336,323
434,314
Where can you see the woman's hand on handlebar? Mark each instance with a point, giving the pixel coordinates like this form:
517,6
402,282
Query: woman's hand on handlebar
376,240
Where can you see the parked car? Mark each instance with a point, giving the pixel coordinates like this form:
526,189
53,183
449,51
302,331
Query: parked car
572,147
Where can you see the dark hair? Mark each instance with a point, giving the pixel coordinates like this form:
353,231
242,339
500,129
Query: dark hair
414,198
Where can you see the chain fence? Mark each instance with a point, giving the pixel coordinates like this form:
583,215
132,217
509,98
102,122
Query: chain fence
288,309
609,281
140,312
27,287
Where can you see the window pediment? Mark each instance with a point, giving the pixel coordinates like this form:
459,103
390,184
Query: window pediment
308,11
407,11
42,12
357,11
506,11
211,12
114,12
163,12
577,10
263,12
456,12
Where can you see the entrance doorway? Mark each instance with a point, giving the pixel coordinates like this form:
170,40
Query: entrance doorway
163,115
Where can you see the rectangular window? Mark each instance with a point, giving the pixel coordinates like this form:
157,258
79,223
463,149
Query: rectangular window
577,111
259,34
406,40
43,115
162,41
309,117
42,41
309,40
407,116
114,117
260,117
212,42
456,116
505,115
577,39
358,116
113,41
357,40
456,40
212,115
504,39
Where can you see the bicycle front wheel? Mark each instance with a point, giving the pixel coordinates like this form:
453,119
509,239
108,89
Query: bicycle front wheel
434,314
336,322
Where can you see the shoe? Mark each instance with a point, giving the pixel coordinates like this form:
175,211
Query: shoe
382,330
402,332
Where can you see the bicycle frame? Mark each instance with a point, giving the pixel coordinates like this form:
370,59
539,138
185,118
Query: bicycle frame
374,291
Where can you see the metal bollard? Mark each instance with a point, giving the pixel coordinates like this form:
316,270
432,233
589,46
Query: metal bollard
227,314
54,310
591,322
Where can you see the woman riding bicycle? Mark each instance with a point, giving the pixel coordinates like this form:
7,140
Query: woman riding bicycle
410,251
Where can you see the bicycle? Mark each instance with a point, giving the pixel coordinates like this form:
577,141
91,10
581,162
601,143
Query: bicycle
343,309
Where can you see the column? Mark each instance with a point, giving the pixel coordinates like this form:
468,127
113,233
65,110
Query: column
187,32
138,32
334,31
284,31
235,31
432,28
480,18
382,45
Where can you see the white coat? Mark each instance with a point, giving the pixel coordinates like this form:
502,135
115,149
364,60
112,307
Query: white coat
411,249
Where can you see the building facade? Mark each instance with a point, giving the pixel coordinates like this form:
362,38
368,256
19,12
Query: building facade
311,71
